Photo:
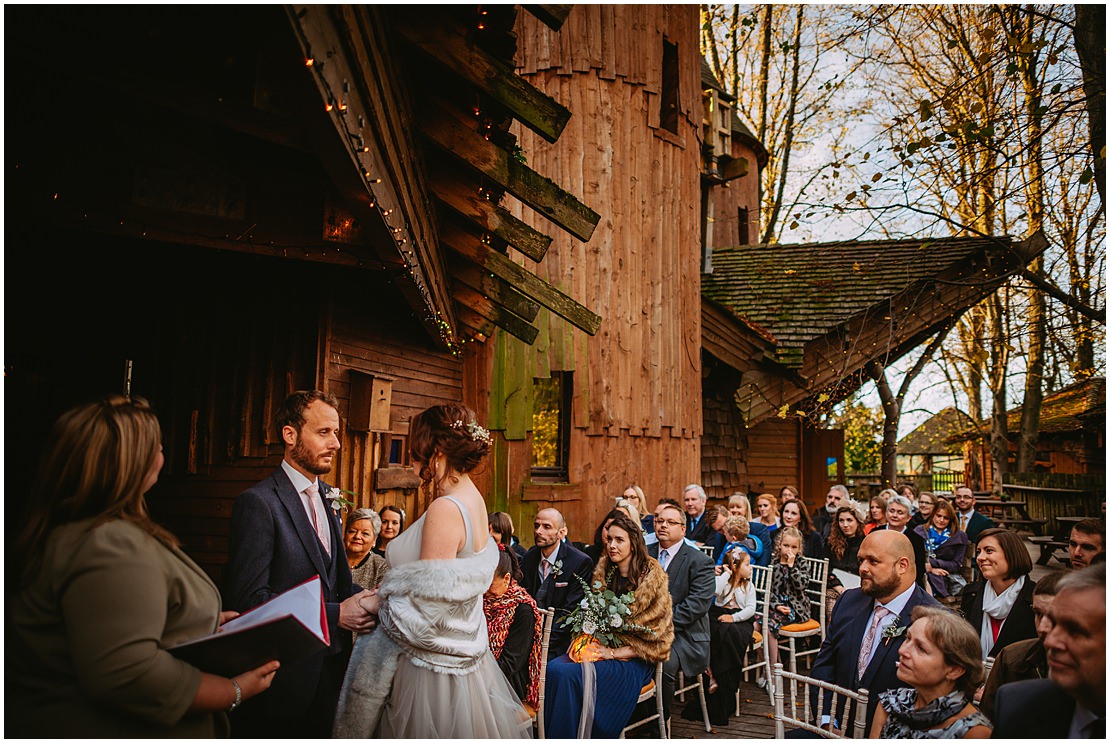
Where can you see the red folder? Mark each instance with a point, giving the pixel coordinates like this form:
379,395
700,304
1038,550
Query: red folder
287,628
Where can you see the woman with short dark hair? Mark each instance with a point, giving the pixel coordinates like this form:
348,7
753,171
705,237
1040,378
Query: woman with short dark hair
1000,604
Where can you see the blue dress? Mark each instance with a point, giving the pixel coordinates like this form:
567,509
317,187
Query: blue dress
618,687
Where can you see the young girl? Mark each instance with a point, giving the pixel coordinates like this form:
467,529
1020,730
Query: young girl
730,632
789,580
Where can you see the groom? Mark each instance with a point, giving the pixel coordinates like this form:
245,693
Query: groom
282,534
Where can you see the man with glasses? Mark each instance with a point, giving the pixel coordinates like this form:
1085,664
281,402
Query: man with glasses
971,521
691,580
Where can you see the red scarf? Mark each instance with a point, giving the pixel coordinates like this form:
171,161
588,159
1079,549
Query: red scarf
500,611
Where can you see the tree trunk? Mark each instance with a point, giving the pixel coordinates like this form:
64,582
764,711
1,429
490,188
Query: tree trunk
892,413
1000,356
765,71
788,143
1090,45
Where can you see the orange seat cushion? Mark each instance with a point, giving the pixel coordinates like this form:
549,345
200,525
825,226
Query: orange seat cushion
647,687
757,637
801,626
530,710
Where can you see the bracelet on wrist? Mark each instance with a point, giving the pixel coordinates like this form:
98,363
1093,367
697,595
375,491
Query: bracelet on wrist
238,696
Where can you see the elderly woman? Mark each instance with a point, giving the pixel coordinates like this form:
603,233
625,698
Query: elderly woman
738,505
1000,604
898,510
615,675
945,546
367,567
941,661
515,628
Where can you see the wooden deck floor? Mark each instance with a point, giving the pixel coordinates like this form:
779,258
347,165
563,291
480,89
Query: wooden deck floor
756,718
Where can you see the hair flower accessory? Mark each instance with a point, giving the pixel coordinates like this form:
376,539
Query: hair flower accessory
477,433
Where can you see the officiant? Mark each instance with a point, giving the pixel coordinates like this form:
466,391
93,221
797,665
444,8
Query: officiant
103,591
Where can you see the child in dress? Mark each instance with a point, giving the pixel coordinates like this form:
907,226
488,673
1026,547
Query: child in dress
789,580
730,617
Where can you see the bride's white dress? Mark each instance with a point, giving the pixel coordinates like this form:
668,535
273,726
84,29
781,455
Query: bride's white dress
446,683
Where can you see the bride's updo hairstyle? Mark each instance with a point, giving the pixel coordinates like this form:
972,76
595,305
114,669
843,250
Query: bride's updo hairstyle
453,430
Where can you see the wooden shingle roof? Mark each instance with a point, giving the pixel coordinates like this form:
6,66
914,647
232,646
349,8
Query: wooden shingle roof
801,292
933,436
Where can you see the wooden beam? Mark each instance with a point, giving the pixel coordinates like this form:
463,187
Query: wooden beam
493,287
453,52
490,217
552,15
474,322
545,196
526,283
497,314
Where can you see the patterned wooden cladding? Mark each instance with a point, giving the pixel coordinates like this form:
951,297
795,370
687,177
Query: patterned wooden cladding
636,410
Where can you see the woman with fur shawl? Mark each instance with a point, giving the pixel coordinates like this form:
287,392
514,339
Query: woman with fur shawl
594,696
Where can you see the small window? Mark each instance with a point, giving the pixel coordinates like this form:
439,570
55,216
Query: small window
551,426
668,95
398,450
742,226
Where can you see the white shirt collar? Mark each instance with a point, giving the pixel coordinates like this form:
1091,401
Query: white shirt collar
1079,720
898,603
300,482
554,555
671,551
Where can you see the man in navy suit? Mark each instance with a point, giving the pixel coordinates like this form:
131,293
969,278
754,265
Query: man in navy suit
282,534
691,582
551,571
1071,702
971,521
698,527
883,604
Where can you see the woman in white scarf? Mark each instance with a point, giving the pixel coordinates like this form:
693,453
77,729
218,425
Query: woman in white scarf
1000,605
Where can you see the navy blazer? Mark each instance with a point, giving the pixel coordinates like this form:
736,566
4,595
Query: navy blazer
1037,708
1019,625
560,592
839,654
703,531
272,548
691,581
760,531
978,523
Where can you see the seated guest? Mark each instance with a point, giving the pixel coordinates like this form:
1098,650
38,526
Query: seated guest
1087,541
730,632
790,606
793,514
1000,604
717,517
617,674
630,510
898,510
945,547
515,629
694,503
690,582
738,536
841,548
768,512
635,494
738,505
367,567
393,523
596,550
854,653
788,493
971,521
823,516
1025,659
1071,702
876,514
926,502
502,531
941,662
551,570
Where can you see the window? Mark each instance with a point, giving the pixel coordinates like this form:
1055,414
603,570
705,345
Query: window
668,95
551,398
742,226
398,450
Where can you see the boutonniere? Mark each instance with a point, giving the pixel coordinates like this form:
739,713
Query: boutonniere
335,499
557,568
893,630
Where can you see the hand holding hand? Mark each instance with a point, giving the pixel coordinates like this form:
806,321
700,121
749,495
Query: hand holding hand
355,613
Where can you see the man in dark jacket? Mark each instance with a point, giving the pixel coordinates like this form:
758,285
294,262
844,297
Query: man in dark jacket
551,571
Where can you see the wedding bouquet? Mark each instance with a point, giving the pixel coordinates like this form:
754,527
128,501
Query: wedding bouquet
602,616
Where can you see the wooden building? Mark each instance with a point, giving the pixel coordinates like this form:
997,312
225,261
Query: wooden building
219,205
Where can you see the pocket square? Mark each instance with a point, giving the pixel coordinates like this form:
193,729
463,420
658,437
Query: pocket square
561,585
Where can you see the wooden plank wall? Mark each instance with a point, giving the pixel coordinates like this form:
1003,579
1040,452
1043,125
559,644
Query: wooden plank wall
774,456
637,407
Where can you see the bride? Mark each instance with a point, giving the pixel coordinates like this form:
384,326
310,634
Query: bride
427,672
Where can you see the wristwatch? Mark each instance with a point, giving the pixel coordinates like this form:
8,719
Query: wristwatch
238,696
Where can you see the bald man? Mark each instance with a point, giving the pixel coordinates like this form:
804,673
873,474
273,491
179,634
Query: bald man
549,571
855,653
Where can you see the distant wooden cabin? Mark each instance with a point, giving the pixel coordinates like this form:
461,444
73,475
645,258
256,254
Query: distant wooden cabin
1071,438
926,455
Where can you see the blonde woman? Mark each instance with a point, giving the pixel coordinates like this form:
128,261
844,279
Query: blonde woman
767,508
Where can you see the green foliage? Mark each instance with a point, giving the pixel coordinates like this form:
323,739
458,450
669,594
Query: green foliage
863,436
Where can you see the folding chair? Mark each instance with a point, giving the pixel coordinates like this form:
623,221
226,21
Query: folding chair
654,688
683,687
855,707
537,714
707,550
818,584
761,580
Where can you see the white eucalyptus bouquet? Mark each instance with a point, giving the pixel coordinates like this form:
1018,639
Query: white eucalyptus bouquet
602,616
